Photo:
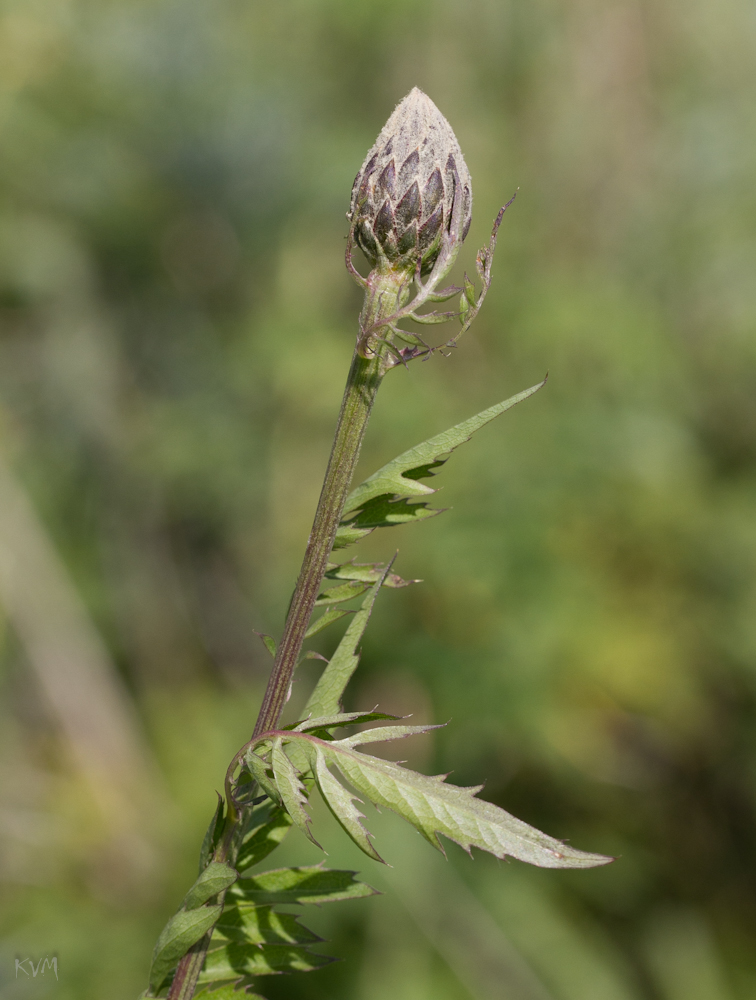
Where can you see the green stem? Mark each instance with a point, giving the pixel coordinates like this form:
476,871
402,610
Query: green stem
385,293
365,377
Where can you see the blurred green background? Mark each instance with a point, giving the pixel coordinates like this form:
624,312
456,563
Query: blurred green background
176,329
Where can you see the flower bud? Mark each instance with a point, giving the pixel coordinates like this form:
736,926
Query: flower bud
413,194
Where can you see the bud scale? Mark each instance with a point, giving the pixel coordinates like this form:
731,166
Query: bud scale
413,192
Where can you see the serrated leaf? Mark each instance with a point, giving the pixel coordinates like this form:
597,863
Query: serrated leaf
335,721
326,698
326,619
346,592
234,960
367,573
383,734
213,835
386,511
183,930
292,790
267,827
434,807
259,771
261,925
395,478
308,884
214,879
341,803
346,536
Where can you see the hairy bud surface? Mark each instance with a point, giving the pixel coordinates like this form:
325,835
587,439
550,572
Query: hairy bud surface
413,192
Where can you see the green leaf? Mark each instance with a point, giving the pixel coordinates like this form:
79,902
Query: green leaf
434,807
326,619
366,573
183,930
396,477
267,827
464,308
386,733
234,960
346,592
268,641
346,536
291,788
308,884
213,835
260,772
385,511
326,698
334,721
214,879
261,925
341,803
469,291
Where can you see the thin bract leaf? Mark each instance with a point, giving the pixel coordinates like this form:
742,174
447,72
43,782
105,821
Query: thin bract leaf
326,698
268,641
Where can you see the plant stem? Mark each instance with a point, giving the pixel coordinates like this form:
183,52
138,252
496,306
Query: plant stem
362,385
383,295
385,292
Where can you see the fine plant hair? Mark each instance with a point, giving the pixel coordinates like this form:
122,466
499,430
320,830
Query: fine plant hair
410,212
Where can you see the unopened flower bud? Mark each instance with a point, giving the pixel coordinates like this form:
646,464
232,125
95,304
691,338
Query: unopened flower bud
413,193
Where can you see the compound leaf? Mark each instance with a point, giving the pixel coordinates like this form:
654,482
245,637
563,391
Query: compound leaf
261,925
233,960
308,884
434,807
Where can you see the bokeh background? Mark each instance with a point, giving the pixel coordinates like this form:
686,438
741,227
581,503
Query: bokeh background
176,329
